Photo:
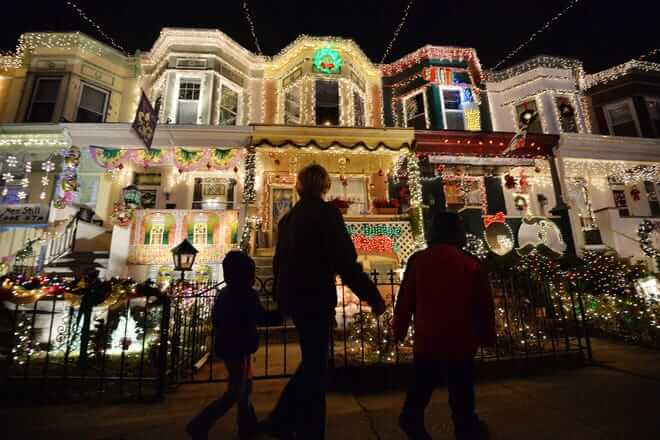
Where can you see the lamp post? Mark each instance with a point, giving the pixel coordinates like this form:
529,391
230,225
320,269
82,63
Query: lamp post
184,257
132,197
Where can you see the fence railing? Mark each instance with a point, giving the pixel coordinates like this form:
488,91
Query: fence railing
140,346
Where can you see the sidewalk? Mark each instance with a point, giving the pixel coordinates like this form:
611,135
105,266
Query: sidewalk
587,403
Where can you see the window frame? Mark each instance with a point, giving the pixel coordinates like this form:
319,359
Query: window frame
84,84
224,82
539,107
299,85
405,99
181,79
444,107
633,112
355,89
35,88
647,100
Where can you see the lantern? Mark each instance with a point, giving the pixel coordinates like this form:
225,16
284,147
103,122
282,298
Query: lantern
184,257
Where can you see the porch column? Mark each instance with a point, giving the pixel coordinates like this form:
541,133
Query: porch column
561,208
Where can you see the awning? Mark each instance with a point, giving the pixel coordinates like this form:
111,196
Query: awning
325,138
480,144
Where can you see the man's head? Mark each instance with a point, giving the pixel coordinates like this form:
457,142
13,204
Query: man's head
447,228
313,181
239,269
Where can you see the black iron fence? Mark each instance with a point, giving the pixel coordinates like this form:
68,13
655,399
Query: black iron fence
139,347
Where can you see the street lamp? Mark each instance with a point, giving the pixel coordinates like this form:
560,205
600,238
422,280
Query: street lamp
132,196
184,257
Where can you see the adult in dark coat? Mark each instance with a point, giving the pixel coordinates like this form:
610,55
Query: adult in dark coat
313,247
449,295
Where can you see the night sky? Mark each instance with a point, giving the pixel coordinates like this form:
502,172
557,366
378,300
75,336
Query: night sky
600,32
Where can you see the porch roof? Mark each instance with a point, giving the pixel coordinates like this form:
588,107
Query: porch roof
481,144
324,138
121,135
612,148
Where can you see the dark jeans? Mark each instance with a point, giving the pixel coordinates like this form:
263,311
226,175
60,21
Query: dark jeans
238,392
460,384
301,408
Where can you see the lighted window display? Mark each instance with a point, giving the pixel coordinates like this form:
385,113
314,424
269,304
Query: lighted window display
228,106
292,106
415,112
535,127
157,234
188,105
200,233
327,103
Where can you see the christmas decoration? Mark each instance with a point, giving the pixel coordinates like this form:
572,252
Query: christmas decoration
253,31
498,235
476,247
402,23
249,192
122,215
69,177
327,60
635,194
538,233
415,187
644,231
509,181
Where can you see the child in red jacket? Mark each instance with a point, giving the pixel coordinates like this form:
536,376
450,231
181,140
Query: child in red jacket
449,295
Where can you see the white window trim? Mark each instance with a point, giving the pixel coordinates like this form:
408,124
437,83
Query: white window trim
35,87
356,89
180,77
655,99
224,82
633,112
297,83
444,109
84,84
539,109
576,107
405,99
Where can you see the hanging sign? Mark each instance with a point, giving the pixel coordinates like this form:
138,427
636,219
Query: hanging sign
25,214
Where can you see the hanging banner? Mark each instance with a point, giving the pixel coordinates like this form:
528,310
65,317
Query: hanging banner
224,159
149,158
108,158
190,160
25,214
146,120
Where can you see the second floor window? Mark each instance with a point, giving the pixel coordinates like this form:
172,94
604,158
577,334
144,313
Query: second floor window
567,115
414,111
621,119
92,105
653,104
327,103
228,106
536,126
188,105
453,110
292,106
44,98
358,110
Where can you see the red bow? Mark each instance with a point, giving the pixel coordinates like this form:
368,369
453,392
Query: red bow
497,218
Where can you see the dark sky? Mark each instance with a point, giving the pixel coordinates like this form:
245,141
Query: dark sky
600,32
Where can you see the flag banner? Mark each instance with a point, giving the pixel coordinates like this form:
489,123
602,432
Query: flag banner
146,119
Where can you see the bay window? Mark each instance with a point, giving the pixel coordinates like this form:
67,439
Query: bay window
228,106
621,119
292,105
452,109
327,103
536,126
188,103
358,110
415,111
92,104
44,98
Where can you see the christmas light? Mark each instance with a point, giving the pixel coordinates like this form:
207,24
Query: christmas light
253,31
95,25
402,23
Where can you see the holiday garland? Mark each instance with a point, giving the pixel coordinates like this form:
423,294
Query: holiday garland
69,177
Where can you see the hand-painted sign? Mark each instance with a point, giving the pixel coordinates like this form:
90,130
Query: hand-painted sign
25,214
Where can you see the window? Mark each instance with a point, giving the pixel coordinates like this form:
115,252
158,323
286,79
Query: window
157,234
621,119
10,195
87,190
44,98
620,202
358,109
567,115
228,106
652,194
653,104
188,106
453,111
536,126
327,102
414,111
200,233
292,106
92,105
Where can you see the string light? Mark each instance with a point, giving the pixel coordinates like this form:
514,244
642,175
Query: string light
397,31
650,54
538,32
86,17
248,17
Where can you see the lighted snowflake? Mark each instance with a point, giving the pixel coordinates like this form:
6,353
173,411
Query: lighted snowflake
22,195
12,161
48,166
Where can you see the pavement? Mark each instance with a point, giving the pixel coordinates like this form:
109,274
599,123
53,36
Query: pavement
616,398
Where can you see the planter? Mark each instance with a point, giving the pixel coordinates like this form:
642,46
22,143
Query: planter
386,211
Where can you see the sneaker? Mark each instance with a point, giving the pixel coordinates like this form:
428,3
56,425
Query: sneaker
414,429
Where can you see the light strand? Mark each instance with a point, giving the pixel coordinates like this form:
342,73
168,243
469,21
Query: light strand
95,25
397,31
538,32
649,54
248,17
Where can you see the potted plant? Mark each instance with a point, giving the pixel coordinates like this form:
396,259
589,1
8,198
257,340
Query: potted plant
386,207
340,204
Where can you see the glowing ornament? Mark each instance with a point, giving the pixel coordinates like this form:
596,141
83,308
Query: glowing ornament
539,233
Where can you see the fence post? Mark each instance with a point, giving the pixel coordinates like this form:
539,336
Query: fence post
164,341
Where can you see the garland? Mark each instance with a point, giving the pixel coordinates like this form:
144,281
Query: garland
69,177
185,160
646,227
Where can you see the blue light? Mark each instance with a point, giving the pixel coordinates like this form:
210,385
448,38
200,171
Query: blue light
467,94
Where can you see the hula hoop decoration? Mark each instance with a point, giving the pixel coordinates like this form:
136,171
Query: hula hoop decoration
69,178
327,60
644,231
498,235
